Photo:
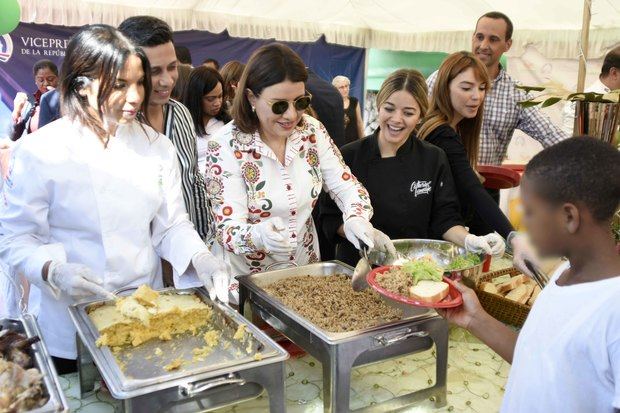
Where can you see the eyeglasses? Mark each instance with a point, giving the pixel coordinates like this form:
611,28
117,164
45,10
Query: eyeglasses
278,107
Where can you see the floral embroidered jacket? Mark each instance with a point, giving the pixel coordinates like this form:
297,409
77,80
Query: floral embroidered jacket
246,184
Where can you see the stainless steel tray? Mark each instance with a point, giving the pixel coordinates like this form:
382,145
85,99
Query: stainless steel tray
143,372
339,353
443,252
257,282
27,325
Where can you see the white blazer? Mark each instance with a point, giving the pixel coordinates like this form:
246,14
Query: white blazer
116,210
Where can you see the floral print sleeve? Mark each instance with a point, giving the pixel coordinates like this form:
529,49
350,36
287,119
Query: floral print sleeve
348,193
227,193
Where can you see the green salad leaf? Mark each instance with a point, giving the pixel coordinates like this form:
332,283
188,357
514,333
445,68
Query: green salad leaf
463,261
423,269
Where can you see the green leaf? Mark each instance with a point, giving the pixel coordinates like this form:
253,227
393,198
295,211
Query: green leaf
528,103
531,88
260,185
550,101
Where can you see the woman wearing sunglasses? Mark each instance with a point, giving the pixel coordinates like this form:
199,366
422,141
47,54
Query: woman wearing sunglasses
409,181
266,169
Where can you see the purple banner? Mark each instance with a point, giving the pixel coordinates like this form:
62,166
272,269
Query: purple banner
28,43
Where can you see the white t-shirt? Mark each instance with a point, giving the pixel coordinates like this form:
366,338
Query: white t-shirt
202,143
567,357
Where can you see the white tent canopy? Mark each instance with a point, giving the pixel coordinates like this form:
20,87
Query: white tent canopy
553,26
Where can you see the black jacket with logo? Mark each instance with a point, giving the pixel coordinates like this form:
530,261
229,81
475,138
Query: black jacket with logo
412,193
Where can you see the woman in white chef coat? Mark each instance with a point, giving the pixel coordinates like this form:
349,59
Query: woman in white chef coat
93,200
266,169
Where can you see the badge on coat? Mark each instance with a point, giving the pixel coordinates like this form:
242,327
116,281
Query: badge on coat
421,188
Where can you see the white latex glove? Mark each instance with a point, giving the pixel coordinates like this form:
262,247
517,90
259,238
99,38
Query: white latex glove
357,229
521,251
214,274
76,280
490,244
383,243
271,236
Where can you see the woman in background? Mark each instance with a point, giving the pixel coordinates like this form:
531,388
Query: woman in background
353,121
231,73
453,124
26,107
204,98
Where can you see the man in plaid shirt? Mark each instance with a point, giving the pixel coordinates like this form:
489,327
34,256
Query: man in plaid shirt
502,113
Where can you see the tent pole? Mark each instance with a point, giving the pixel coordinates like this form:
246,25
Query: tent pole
583,55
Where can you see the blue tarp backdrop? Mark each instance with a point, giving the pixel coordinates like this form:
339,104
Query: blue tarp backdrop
28,43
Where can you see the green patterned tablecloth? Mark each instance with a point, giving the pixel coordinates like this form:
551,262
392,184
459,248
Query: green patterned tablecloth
476,379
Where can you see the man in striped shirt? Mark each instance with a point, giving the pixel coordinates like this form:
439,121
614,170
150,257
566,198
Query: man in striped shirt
502,112
168,116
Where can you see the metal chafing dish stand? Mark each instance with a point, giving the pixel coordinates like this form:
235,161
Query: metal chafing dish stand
340,352
222,379
27,325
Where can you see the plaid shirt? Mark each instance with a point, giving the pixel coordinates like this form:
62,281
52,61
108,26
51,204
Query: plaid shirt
503,114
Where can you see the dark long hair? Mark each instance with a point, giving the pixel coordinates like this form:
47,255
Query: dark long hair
202,80
269,65
96,52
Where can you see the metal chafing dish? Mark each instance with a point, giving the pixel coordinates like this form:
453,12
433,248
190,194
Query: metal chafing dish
228,375
340,352
27,326
443,252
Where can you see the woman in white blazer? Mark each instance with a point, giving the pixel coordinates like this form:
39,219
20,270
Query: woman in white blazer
94,200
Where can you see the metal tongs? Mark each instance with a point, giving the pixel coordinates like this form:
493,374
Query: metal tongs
361,270
540,278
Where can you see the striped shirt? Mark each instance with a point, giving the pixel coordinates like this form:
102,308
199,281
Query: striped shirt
179,128
503,114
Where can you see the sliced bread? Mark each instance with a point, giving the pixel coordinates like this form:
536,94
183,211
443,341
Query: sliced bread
489,287
520,294
430,291
513,283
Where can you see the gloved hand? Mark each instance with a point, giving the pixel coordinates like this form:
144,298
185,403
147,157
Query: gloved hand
521,251
271,236
383,243
357,229
214,274
76,280
491,244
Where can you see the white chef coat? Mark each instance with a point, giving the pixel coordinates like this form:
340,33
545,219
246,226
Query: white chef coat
568,113
567,357
247,184
115,210
201,143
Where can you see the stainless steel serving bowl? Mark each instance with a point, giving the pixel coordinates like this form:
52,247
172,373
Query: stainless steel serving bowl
443,252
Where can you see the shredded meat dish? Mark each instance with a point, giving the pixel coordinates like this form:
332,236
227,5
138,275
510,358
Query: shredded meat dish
396,281
330,303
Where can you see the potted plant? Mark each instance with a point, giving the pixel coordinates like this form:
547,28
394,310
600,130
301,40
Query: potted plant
596,114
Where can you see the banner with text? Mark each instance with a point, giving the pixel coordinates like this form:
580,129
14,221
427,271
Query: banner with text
29,43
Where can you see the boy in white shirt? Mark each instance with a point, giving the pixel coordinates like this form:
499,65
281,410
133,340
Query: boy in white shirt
567,356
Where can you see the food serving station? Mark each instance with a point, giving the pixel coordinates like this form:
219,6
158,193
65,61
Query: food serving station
416,331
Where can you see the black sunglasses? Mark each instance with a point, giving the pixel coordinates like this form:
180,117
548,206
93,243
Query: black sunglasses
278,107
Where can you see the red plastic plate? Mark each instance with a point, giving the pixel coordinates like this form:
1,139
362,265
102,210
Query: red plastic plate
454,298
498,177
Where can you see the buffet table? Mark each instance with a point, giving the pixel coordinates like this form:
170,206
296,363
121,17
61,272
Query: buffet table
476,380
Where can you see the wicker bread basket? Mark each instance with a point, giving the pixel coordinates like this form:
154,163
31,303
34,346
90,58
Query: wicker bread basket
503,309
